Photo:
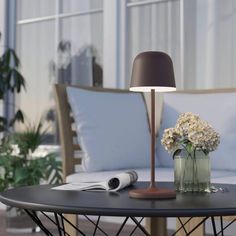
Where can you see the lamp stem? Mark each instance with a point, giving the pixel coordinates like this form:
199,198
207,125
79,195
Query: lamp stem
152,184
152,192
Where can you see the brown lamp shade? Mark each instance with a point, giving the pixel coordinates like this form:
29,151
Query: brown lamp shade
152,70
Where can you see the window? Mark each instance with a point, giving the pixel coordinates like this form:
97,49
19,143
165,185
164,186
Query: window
57,41
94,42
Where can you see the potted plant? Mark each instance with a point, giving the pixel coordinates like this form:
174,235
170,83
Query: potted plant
20,165
190,142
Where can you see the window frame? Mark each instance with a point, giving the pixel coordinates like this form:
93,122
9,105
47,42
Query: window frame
115,35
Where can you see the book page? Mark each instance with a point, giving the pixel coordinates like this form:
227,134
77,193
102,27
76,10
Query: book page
114,184
83,186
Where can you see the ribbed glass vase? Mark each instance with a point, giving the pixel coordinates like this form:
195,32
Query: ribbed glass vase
192,171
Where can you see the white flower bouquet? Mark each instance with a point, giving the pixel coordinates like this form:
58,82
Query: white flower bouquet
192,134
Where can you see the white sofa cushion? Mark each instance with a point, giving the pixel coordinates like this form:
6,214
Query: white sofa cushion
218,108
162,174
225,180
112,128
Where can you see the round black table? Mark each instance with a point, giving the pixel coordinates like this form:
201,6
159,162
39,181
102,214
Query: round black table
44,199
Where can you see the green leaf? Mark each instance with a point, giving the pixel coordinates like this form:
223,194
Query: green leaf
11,80
17,117
176,152
3,120
6,57
21,174
54,170
14,57
30,139
18,169
18,81
3,123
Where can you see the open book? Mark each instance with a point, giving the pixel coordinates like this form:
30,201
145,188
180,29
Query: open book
114,184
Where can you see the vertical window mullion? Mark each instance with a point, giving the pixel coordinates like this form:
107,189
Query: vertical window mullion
114,50
10,41
57,35
123,43
182,44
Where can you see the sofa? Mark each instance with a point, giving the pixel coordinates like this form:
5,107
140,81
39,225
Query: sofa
110,132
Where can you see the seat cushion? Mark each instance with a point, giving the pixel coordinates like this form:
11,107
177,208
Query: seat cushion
223,177
218,109
162,174
112,128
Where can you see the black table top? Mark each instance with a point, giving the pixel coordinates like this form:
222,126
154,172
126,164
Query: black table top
43,198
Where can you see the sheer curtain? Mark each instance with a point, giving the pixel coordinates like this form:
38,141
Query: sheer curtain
212,54
208,55
154,27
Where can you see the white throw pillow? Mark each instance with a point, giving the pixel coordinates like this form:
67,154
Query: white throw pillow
112,127
218,109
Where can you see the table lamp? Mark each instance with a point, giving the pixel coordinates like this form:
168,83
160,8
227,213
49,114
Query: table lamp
152,72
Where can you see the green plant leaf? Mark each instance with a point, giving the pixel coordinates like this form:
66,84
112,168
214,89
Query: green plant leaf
176,152
6,57
3,123
17,117
17,81
20,170
21,175
11,80
54,170
14,57
30,139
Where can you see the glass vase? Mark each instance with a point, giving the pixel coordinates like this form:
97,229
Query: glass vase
192,171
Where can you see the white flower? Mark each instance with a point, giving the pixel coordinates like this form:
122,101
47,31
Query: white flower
15,150
170,138
192,130
29,155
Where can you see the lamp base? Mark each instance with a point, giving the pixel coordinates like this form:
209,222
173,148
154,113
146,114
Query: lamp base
152,193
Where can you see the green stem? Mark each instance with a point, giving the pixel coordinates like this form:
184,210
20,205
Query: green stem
195,173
